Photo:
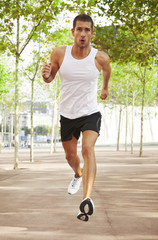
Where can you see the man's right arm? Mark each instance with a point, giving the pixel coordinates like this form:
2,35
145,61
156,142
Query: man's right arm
50,69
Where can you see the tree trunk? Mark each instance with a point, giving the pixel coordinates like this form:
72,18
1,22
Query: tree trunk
150,124
142,121
119,126
56,130
126,129
2,129
32,132
132,134
11,129
53,126
16,138
106,130
5,124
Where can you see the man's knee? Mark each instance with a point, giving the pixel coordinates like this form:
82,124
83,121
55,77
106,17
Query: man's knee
87,150
70,156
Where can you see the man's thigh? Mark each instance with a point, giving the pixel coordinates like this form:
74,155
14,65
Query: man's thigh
70,147
89,138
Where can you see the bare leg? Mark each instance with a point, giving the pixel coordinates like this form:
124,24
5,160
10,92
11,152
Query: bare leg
70,148
89,169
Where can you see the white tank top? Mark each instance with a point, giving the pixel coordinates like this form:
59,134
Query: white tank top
79,80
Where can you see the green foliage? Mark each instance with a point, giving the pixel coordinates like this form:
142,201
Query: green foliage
151,88
133,31
123,46
81,6
42,130
61,37
126,85
26,130
131,42
30,14
5,76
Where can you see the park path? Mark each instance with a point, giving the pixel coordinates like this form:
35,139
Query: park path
34,204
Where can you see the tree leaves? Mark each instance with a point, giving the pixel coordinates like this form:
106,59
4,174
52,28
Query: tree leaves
136,26
5,78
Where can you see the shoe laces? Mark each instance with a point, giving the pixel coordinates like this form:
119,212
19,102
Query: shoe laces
74,181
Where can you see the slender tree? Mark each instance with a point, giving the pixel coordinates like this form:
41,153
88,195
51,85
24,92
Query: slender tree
31,73
131,37
5,79
25,17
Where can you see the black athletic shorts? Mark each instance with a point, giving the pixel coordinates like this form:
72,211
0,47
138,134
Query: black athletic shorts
73,127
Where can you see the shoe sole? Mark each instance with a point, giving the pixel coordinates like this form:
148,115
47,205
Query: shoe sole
83,215
90,206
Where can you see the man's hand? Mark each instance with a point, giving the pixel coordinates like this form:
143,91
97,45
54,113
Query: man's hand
104,94
46,70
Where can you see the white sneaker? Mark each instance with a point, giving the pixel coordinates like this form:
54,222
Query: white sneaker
74,185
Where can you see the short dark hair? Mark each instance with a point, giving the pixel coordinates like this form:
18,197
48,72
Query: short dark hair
83,17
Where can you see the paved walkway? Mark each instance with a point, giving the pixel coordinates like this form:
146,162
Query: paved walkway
34,204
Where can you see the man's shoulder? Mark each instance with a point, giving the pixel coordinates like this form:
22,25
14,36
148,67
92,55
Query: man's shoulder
58,54
59,50
102,54
102,57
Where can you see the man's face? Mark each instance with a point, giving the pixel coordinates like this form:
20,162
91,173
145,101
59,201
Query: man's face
82,34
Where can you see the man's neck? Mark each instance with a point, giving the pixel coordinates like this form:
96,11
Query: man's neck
80,53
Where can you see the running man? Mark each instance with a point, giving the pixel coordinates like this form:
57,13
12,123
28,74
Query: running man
79,67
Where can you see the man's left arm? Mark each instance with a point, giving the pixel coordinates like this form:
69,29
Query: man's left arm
105,63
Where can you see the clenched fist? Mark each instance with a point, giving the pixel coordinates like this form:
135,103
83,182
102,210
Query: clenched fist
104,94
46,70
